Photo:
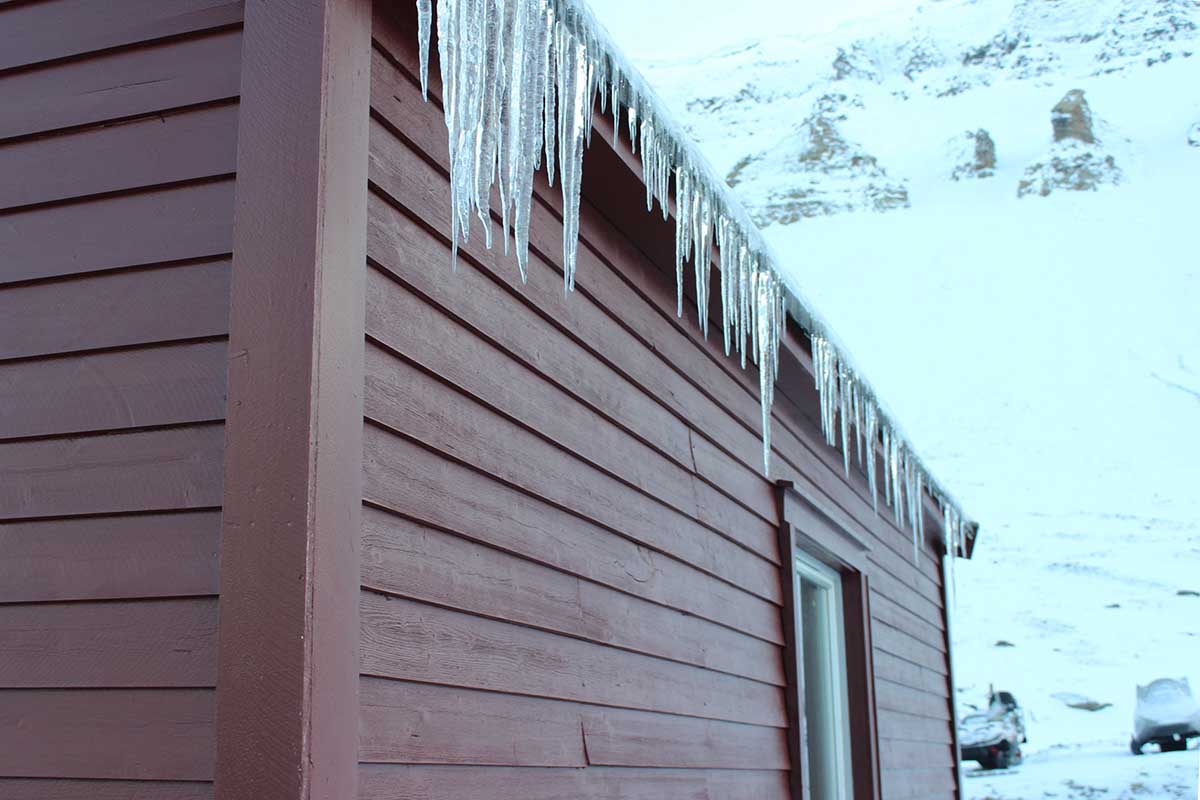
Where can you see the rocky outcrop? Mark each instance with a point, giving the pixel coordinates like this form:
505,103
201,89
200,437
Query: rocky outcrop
1081,171
1194,135
1076,162
815,172
1071,118
973,154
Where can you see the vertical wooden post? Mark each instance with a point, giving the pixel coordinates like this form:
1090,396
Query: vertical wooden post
288,661
793,662
947,608
860,678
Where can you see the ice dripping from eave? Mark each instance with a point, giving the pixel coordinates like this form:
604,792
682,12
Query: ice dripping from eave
520,81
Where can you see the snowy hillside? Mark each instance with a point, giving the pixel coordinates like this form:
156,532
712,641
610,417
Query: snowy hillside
1026,295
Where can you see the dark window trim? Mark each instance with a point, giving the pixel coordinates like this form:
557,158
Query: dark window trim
805,527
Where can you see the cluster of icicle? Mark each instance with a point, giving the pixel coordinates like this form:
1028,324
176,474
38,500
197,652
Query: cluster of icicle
520,81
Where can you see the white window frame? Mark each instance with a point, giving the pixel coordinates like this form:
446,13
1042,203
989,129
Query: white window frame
827,578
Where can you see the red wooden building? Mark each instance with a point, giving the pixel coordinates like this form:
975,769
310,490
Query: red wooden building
290,509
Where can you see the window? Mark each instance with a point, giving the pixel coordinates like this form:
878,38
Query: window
833,739
820,631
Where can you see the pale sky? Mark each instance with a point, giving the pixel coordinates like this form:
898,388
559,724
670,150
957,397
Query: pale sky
642,28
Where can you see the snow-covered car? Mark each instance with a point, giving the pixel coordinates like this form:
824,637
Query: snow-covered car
993,737
1166,714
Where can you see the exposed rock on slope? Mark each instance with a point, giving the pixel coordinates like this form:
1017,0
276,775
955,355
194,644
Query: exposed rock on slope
814,172
1076,161
974,155
1072,118
1194,135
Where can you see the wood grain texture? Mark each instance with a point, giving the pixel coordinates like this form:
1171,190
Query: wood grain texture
178,223
393,782
115,310
167,148
412,560
288,665
416,404
60,28
147,734
413,641
405,477
102,558
637,739
120,84
424,724
173,468
422,333
116,389
413,723
153,643
60,789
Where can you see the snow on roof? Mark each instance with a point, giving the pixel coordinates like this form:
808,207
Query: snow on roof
521,80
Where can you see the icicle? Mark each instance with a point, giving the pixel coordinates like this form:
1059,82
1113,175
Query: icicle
887,465
424,21
765,308
550,67
703,263
633,117
616,106
683,218
520,80
858,422
574,116
897,488
872,423
845,389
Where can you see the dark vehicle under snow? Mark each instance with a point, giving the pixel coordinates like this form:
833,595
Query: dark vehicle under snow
993,737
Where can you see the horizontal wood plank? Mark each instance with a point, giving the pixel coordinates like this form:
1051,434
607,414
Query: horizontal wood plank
147,734
111,390
115,310
636,739
56,29
421,724
393,782
120,84
418,405
166,148
412,327
914,783
60,789
413,723
412,560
144,644
405,477
184,222
156,470
101,558
413,641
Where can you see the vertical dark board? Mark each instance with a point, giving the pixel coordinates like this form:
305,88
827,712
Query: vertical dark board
286,716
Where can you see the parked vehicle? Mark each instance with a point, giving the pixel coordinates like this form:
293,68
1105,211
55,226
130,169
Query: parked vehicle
1166,714
994,737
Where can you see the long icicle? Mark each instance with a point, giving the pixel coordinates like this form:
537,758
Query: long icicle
520,80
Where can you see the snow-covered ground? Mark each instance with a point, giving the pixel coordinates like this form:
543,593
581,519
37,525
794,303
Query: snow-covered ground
1043,353
1088,772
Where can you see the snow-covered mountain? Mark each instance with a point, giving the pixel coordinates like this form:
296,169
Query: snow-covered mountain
995,204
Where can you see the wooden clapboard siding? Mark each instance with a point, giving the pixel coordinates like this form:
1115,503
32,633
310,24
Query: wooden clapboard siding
118,131
569,561
60,789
